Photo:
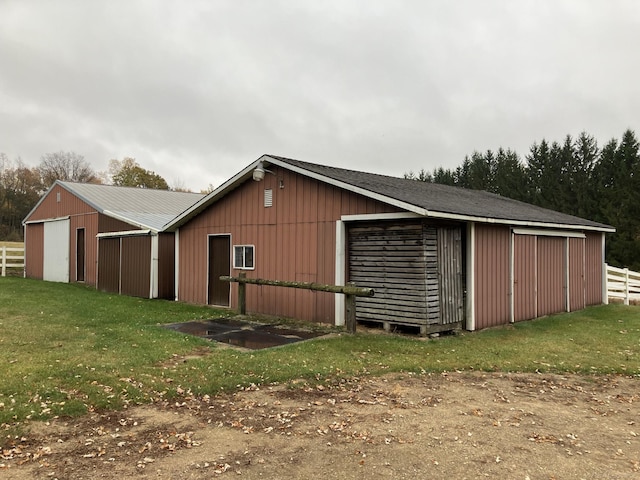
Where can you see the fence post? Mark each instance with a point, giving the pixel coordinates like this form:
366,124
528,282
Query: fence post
4,261
350,304
626,286
242,295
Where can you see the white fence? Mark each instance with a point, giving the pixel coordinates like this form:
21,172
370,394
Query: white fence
11,257
624,284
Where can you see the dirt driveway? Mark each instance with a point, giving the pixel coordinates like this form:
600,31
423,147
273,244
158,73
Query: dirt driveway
439,426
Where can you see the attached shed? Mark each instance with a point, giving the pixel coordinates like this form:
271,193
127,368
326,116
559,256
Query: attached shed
438,257
105,236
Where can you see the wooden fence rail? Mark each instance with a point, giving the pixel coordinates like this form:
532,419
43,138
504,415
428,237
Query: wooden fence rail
8,258
350,290
623,283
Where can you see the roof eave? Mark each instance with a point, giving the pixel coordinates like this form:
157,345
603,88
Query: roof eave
424,212
246,173
231,184
520,223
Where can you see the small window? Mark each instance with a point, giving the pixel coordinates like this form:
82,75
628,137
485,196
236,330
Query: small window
243,257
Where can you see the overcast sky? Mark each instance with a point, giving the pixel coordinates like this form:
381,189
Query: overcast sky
197,90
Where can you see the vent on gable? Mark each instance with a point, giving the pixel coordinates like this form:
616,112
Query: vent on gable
268,197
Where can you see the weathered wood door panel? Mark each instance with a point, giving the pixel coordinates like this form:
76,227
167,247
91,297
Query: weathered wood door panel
415,270
450,275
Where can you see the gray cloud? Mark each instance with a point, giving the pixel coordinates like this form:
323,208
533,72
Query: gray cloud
197,90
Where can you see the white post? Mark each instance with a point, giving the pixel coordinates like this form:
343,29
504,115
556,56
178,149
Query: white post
177,264
4,261
340,275
512,308
153,280
471,279
605,285
626,286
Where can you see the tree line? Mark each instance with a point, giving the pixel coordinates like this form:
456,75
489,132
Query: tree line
574,177
22,186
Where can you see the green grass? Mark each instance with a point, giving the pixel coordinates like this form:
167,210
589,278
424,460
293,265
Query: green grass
68,349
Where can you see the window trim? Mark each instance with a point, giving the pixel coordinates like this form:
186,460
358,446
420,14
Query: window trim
244,256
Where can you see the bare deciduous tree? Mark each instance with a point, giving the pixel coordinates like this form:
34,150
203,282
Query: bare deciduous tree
66,166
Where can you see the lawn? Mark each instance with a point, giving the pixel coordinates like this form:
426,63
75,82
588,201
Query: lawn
66,349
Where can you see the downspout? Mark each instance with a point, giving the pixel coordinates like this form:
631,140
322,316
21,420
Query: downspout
471,277
341,234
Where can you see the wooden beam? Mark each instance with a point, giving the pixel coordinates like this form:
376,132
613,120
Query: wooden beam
319,287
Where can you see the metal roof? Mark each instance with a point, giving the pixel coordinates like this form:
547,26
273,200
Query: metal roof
423,198
142,207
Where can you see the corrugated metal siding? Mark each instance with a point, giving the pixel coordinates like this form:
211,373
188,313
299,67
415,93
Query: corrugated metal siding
109,265
166,265
299,226
89,222
492,275
80,256
576,274
52,208
108,224
524,277
34,250
551,264
594,265
135,267
56,251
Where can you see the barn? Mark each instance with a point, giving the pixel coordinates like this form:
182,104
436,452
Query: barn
106,236
438,257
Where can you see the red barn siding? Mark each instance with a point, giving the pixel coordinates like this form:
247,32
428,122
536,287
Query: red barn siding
576,274
90,224
81,215
594,264
551,260
34,259
135,266
294,240
524,277
68,205
166,266
109,262
491,275
109,224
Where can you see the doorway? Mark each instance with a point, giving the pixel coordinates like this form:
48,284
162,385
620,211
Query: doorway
219,264
80,249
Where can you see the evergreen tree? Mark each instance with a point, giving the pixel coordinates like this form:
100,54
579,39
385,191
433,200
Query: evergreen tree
509,178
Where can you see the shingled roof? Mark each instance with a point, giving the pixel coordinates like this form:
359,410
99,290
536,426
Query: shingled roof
142,207
426,199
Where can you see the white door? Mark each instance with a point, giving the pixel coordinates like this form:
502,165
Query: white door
56,251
